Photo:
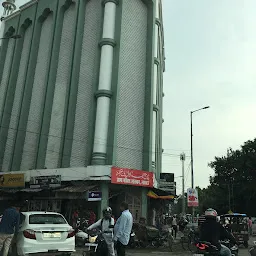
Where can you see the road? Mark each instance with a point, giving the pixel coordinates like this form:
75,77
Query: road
140,252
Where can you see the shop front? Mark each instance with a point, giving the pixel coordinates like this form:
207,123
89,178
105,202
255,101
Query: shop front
132,187
9,183
159,206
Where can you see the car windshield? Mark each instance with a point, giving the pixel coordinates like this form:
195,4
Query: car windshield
46,219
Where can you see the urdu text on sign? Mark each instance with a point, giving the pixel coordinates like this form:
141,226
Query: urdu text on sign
131,177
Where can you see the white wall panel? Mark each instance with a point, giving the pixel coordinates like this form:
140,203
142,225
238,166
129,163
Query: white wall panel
61,88
88,73
132,73
17,100
38,96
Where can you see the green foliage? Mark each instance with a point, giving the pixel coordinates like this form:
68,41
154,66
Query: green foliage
233,186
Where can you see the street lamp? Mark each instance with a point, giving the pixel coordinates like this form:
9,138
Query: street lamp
191,145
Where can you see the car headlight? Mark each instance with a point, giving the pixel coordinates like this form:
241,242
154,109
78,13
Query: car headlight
92,239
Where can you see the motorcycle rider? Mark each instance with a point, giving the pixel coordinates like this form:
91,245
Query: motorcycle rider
107,227
212,231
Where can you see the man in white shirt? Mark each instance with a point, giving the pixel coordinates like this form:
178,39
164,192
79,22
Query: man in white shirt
123,229
106,225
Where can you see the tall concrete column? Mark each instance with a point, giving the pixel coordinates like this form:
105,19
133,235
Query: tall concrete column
155,89
105,196
104,92
144,203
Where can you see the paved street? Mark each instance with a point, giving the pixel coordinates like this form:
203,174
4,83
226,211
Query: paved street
163,252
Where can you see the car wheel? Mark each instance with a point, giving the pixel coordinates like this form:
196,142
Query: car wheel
246,244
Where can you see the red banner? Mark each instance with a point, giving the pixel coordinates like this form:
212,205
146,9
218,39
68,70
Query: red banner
127,176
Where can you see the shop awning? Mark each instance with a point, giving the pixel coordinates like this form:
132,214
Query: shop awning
153,195
27,190
76,188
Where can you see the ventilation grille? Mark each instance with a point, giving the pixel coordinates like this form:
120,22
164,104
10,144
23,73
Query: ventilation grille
15,114
132,72
61,89
87,78
38,96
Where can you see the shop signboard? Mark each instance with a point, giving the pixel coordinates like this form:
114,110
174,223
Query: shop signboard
53,181
94,196
12,180
192,197
125,176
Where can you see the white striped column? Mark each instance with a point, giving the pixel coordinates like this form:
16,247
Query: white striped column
155,86
104,92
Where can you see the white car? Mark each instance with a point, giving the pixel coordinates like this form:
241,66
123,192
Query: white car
44,233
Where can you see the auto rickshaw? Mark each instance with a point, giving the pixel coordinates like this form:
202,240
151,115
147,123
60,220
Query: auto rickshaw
237,224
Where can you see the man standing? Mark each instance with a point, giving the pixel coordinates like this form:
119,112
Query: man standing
250,226
123,229
8,227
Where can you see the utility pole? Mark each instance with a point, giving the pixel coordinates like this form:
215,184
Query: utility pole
182,158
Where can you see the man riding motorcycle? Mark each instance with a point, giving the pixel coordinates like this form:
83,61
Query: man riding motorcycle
107,227
213,232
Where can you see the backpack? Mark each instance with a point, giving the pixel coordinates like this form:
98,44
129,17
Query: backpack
102,222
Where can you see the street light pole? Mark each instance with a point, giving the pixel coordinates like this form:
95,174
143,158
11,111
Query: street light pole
191,148
182,158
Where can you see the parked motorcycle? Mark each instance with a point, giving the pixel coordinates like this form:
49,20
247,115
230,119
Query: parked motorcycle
132,241
252,250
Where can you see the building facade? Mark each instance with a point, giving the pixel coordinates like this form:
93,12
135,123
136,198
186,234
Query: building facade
82,87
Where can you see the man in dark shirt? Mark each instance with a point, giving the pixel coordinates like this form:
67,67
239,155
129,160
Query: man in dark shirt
201,218
8,227
213,232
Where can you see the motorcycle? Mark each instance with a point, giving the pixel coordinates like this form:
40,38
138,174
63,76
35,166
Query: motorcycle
81,236
206,248
132,241
252,250
96,245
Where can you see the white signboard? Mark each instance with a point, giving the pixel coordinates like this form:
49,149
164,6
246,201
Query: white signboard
192,197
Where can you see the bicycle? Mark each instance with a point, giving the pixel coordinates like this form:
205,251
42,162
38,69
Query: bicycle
193,237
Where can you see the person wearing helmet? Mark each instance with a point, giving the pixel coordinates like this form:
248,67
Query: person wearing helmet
106,224
213,232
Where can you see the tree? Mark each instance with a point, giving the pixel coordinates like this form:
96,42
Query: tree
233,186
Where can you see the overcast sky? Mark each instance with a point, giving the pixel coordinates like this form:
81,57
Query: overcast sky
210,60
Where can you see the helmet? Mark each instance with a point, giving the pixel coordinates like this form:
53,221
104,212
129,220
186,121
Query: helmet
107,210
211,213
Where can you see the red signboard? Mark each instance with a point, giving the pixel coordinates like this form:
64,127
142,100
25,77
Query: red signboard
125,176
